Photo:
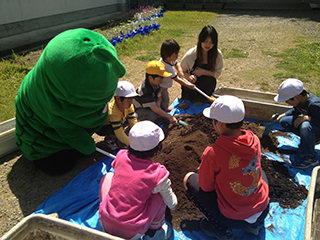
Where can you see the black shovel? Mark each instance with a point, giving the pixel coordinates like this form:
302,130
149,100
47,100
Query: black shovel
270,125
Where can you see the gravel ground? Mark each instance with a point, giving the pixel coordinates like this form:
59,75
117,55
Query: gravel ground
23,188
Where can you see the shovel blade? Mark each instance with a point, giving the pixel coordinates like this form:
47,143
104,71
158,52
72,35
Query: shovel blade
180,122
267,129
270,125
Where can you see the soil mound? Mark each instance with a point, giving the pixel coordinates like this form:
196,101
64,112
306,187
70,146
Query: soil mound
181,153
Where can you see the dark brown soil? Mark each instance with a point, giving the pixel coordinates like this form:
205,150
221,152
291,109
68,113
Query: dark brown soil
182,150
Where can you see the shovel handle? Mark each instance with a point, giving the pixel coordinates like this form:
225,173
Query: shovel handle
105,153
201,92
275,117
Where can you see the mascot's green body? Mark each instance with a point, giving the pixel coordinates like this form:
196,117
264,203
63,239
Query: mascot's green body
62,100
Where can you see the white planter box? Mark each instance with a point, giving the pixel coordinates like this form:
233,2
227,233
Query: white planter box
40,226
312,228
7,137
259,105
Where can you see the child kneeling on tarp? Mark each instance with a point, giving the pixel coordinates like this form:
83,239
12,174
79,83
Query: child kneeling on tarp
133,199
303,119
231,189
121,115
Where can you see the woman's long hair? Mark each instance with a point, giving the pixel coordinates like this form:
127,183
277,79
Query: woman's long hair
208,31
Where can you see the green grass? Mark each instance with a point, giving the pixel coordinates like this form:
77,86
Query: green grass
302,61
178,25
233,53
12,73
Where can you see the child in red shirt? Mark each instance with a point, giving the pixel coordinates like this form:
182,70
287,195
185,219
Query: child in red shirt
231,189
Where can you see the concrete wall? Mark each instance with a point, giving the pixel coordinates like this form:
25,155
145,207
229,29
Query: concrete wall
26,23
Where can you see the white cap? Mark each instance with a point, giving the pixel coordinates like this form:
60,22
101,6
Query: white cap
125,89
145,135
226,109
289,89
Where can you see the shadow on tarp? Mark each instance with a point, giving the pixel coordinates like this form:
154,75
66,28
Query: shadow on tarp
78,201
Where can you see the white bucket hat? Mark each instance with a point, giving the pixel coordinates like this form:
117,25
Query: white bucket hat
289,89
226,109
145,135
125,89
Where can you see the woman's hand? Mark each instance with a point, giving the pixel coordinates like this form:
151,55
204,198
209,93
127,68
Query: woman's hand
199,72
192,78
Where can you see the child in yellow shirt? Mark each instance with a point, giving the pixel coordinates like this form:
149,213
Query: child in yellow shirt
121,114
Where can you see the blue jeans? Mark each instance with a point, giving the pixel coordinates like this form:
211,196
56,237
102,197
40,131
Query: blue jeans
307,131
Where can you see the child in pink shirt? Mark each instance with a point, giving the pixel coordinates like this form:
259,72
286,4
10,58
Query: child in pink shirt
133,198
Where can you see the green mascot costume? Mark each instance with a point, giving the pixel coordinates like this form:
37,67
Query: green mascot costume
63,100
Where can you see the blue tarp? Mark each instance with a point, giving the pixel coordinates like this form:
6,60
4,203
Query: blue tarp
78,201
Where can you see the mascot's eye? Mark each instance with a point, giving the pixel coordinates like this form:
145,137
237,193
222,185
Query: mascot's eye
86,40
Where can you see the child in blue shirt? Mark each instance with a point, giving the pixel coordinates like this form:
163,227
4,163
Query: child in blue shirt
303,119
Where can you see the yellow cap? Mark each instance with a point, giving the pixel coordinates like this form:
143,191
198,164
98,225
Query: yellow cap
157,68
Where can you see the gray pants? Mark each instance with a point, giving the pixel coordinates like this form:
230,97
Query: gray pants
165,96
148,114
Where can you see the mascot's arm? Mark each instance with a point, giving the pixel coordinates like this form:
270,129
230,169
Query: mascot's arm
77,137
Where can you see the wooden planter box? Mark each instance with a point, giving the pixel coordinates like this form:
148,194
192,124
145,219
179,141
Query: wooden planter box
7,137
259,105
312,229
40,226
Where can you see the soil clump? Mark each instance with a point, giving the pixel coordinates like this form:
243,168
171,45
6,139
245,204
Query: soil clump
182,151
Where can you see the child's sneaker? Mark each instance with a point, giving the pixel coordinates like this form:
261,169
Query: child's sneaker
198,104
306,162
219,232
110,144
183,105
162,234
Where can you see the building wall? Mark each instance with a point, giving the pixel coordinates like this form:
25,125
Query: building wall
24,23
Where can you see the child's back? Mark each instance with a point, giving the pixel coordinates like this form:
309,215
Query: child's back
135,196
231,188
237,174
